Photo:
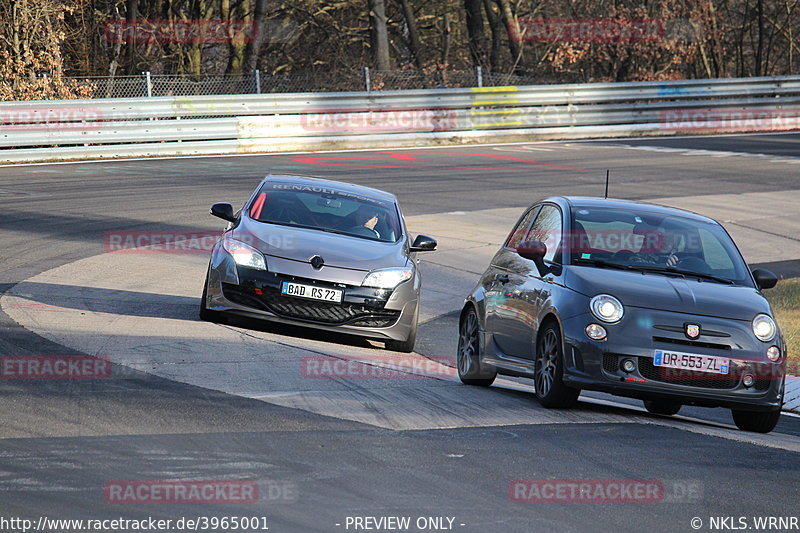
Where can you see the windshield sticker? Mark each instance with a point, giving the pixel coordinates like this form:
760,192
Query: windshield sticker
323,191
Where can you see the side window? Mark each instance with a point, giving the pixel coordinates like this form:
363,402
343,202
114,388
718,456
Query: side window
519,233
547,228
715,255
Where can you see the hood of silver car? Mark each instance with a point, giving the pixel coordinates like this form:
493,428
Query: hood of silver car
656,291
335,250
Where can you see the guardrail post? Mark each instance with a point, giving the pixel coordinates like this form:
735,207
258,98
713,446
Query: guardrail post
367,82
478,76
257,80
148,83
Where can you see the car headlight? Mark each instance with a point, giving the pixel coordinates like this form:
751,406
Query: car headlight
244,254
387,278
764,327
606,308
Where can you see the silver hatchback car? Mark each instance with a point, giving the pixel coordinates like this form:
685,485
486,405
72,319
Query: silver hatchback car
318,253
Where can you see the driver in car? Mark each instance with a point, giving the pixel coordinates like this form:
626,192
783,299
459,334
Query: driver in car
366,219
660,247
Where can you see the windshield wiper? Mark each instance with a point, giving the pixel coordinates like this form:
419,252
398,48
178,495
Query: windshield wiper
600,263
682,273
320,228
303,226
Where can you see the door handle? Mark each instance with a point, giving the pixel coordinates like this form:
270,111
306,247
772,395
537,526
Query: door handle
502,278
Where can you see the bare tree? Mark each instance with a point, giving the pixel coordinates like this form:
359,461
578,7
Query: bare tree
256,35
496,27
380,34
760,45
477,37
414,45
31,57
514,36
131,16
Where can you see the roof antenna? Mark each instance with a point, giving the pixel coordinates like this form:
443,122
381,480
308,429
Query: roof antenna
606,196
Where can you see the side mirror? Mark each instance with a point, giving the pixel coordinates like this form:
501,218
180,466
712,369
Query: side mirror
764,278
224,211
423,243
533,250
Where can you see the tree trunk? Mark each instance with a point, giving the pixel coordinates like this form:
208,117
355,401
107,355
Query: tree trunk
201,13
445,50
760,46
477,38
716,47
131,16
496,26
254,35
514,37
413,32
236,40
379,33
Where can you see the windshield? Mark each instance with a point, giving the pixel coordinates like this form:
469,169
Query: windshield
654,242
325,209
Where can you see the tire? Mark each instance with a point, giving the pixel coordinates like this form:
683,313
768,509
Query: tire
205,313
756,421
548,370
662,407
405,346
468,356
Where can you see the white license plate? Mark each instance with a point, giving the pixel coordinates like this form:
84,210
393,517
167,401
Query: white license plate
311,292
690,361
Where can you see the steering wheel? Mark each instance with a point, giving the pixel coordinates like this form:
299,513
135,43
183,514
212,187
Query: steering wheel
364,231
694,264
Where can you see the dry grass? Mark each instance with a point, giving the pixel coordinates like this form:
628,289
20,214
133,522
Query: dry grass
785,301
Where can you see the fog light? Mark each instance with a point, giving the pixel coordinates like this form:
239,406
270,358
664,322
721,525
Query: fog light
748,380
773,353
596,332
628,365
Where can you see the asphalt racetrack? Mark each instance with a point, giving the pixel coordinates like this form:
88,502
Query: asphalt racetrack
187,400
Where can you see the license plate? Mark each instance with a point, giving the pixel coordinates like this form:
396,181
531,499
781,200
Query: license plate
311,292
690,361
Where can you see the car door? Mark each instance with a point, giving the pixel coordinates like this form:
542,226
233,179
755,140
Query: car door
499,274
524,288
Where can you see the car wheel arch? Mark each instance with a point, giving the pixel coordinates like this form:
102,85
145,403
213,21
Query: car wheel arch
470,304
549,318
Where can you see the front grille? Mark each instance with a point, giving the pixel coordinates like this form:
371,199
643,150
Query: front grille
610,363
703,331
694,344
314,311
689,377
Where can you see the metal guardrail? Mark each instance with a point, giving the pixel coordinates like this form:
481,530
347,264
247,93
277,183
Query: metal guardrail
133,127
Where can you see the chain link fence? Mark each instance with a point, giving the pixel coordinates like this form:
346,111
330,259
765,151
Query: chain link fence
365,79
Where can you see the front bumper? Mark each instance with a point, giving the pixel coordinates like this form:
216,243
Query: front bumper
596,365
364,311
